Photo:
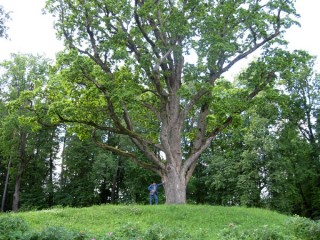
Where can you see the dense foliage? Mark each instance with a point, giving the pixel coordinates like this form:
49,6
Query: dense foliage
268,159
4,17
252,141
127,70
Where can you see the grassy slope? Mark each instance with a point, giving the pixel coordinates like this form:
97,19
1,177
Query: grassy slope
198,220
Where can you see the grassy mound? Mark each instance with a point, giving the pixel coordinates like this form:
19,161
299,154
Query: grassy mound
161,222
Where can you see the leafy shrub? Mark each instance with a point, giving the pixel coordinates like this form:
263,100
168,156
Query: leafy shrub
12,228
160,232
126,231
265,233
155,232
305,228
57,233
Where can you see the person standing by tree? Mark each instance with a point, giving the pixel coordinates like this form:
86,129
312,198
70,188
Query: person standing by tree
153,192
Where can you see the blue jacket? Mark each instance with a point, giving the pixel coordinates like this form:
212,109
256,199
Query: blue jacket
153,188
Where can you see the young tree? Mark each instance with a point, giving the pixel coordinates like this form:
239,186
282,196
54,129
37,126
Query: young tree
128,73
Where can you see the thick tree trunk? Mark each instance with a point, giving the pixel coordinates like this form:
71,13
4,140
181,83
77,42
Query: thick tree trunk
6,186
175,188
22,166
16,195
50,183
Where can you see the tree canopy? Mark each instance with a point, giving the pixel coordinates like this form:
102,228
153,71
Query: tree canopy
4,17
127,72
268,158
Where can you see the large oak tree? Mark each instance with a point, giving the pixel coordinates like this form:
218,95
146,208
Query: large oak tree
128,72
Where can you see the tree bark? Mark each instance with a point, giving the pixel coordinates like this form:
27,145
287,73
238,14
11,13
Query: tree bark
16,195
22,166
114,188
175,188
6,185
62,157
50,183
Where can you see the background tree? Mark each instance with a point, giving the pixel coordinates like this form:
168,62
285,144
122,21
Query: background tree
94,176
8,154
135,81
300,110
268,160
4,17
79,186
20,144
39,185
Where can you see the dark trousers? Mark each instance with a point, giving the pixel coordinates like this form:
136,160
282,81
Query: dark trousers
155,197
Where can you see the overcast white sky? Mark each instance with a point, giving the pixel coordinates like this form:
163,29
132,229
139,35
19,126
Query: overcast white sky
32,32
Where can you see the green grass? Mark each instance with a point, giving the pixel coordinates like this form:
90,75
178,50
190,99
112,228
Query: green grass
200,221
